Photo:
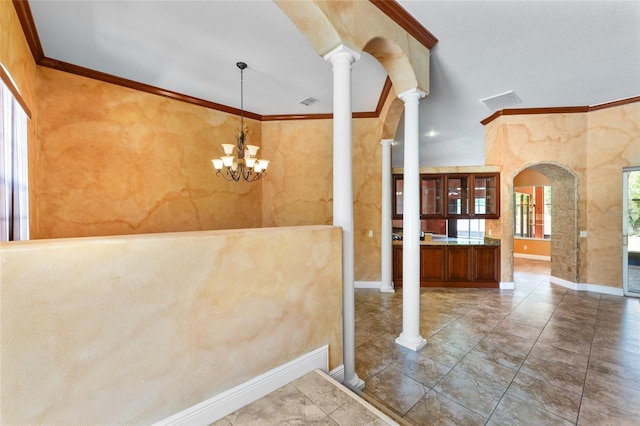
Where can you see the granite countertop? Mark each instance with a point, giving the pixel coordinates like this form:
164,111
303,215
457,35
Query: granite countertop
450,241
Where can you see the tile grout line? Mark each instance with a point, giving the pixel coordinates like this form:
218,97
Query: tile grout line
528,353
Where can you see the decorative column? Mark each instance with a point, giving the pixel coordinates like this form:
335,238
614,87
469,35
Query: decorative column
410,336
385,236
342,58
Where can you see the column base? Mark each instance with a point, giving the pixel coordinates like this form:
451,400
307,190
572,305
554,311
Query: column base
356,383
415,344
387,289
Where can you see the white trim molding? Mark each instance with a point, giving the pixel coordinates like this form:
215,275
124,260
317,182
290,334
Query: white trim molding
226,402
507,285
367,284
532,256
337,374
596,288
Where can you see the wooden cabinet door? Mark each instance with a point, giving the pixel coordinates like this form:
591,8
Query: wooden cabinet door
432,263
486,261
459,264
397,266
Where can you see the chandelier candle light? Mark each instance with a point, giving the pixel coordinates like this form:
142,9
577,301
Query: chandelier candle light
245,164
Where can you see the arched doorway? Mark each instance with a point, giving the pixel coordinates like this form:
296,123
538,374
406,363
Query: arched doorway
564,251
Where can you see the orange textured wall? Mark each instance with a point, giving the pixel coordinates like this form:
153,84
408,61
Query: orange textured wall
533,247
112,160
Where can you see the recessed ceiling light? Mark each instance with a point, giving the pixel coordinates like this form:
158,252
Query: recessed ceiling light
431,133
501,100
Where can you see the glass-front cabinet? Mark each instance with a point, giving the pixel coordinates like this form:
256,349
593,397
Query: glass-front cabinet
453,196
458,195
485,195
431,199
398,200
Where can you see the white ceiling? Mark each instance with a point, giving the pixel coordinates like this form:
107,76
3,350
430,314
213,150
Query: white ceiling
552,53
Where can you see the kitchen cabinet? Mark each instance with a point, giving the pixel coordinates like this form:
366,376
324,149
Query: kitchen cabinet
486,195
453,196
457,195
454,265
398,199
431,197
432,263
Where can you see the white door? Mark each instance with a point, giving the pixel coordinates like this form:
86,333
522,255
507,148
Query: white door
631,232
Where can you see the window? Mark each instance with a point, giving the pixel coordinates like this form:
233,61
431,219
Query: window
14,189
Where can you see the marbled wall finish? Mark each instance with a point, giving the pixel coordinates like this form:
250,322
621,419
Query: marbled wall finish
367,197
613,143
595,147
301,192
16,57
132,329
113,160
299,187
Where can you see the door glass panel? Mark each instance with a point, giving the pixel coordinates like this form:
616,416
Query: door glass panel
632,231
457,195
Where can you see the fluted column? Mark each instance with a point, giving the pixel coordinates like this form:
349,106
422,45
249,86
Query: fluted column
385,236
410,336
342,58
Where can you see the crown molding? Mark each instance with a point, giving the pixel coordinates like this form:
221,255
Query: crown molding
23,10
108,78
616,103
559,110
400,16
29,28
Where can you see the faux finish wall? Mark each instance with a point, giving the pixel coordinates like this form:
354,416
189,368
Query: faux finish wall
132,329
113,160
300,192
595,146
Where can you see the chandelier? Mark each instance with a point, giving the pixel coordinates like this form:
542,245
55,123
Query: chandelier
244,164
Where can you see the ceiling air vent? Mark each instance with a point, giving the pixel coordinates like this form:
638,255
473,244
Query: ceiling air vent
309,101
501,101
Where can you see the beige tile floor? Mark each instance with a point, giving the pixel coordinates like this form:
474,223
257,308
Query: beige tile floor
537,355
313,399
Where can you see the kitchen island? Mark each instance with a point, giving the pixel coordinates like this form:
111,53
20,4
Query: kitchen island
454,262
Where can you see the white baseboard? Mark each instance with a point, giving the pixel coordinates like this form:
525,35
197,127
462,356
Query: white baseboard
532,256
225,403
596,288
367,284
507,285
337,374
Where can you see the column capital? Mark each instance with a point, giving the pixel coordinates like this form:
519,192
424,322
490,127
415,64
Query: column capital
386,142
342,51
412,94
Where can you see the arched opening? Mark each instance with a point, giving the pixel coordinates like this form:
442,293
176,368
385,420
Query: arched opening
560,214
